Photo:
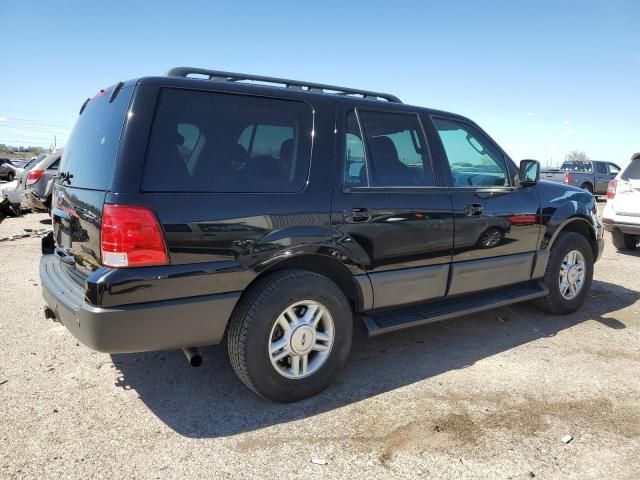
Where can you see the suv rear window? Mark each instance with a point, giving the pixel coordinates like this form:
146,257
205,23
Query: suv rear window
90,153
577,167
632,172
220,142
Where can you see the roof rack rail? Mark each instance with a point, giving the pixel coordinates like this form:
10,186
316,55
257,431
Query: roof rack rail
293,84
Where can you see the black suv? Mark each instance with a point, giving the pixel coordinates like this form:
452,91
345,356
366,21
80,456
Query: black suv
274,214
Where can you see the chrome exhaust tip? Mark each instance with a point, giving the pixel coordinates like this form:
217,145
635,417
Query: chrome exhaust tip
193,356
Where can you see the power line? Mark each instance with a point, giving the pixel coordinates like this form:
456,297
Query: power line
35,121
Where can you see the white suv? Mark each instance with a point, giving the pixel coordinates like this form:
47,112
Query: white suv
621,216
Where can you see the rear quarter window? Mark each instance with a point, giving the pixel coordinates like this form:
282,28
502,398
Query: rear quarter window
91,151
221,142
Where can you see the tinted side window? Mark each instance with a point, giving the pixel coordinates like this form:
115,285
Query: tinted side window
54,165
601,168
355,170
234,143
614,169
397,153
474,160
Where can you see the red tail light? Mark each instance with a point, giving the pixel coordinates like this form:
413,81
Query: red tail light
568,178
611,189
131,236
33,176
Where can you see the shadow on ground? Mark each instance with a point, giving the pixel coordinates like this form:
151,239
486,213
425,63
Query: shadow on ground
210,401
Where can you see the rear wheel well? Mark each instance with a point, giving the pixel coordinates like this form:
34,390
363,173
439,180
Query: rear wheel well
322,265
581,227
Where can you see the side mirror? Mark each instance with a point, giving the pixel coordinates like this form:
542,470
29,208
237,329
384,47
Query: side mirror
529,172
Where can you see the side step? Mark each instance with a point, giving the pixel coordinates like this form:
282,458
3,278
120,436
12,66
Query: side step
391,320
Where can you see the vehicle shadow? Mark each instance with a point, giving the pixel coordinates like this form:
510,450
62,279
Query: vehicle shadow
211,402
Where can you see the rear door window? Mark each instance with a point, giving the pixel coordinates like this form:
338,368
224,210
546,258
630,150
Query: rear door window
90,153
220,142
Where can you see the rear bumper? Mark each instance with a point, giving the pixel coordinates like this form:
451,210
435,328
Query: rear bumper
160,325
630,228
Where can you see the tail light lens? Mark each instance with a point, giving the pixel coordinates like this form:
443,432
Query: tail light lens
611,189
33,176
568,178
131,236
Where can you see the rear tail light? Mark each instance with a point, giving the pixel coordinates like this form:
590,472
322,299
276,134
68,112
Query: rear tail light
568,178
33,176
611,189
131,236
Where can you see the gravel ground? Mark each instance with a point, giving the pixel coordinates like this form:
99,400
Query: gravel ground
485,396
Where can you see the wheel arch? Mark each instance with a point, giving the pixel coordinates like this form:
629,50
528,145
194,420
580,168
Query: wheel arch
580,225
352,280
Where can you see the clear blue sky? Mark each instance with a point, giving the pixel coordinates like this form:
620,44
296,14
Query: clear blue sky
542,77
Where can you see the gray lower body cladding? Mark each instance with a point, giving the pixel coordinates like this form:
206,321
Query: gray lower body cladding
169,324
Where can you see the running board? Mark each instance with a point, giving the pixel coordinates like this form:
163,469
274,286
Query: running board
390,320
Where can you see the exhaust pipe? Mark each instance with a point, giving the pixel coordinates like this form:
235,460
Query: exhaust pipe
49,313
193,356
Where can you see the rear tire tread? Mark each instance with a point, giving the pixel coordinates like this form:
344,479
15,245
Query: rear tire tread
624,241
246,312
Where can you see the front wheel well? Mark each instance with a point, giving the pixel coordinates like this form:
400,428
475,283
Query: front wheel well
581,227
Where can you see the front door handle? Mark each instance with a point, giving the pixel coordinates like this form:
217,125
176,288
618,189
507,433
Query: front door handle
357,215
473,210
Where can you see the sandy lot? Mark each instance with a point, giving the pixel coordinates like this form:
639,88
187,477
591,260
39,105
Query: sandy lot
486,396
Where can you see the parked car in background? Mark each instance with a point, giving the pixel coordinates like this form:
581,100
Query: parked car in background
38,183
203,219
19,162
7,170
590,175
621,216
18,193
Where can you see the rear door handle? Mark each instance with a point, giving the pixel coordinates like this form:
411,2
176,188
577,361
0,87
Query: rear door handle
473,210
357,215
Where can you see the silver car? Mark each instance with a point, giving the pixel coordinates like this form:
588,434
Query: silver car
38,183
7,170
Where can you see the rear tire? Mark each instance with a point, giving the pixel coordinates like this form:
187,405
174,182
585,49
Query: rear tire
559,301
588,187
624,241
255,330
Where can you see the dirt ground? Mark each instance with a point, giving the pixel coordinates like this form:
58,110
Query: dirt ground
484,396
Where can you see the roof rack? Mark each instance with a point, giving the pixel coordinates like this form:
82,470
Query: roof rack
293,84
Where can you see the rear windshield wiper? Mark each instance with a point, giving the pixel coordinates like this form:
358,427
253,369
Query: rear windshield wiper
65,177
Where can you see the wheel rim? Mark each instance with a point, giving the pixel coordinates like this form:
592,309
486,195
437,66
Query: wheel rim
492,238
301,339
572,274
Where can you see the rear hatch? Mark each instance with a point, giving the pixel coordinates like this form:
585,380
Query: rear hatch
85,177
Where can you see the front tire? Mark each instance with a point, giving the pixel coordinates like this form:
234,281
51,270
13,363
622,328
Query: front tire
290,335
10,176
624,241
568,275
